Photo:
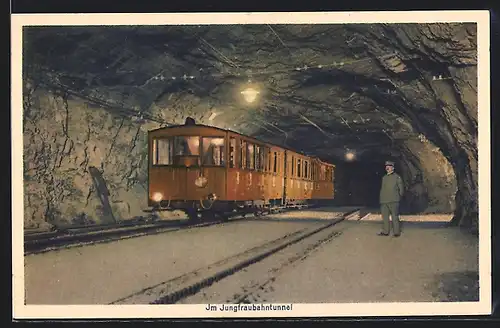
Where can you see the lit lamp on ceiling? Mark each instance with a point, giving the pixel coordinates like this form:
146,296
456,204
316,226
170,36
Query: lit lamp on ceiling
350,156
250,94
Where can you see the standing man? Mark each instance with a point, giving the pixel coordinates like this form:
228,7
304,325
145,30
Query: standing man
391,191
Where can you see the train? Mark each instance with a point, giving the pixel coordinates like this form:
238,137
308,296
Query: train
208,172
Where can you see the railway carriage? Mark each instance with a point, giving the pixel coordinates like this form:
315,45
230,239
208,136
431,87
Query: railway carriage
206,170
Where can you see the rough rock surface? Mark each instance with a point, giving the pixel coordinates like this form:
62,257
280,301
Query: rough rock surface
63,139
92,93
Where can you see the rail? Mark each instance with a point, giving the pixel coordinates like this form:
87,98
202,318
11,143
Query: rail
68,237
75,237
191,283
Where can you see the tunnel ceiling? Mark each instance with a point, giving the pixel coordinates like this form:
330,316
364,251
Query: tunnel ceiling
324,88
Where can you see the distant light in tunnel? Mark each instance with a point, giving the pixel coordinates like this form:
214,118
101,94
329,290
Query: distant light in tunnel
350,156
250,94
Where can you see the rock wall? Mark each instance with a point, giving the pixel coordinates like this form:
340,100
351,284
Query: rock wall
429,179
443,109
63,139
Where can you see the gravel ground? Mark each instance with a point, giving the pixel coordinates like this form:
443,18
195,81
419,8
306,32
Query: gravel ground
427,263
103,273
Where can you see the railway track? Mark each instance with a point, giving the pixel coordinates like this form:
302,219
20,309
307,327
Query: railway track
35,243
186,285
94,235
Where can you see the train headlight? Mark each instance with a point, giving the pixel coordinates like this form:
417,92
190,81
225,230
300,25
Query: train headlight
157,197
201,182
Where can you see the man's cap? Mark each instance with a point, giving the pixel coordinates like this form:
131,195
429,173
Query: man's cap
389,163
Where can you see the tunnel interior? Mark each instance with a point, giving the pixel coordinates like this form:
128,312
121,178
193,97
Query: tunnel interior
358,184
400,92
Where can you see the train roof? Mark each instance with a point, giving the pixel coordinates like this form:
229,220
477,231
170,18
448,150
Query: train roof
229,130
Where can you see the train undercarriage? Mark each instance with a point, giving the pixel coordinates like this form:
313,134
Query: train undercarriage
213,209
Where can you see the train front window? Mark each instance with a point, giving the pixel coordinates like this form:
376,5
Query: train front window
213,151
187,146
162,151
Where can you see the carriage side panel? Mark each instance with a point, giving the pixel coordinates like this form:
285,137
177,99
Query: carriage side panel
325,183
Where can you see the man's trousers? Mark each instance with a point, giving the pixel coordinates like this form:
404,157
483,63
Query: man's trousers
391,209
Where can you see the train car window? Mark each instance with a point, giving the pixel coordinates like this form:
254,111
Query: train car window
232,152
306,169
269,158
275,162
293,165
299,168
322,173
250,156
213,151
243,154
162,151
265,160
186,146
257,158
278,162
281,161
262,160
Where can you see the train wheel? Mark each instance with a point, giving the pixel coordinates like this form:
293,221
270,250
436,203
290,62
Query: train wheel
223,216
192,216
207,216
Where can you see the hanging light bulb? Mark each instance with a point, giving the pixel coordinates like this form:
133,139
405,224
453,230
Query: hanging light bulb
350,155
250,94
